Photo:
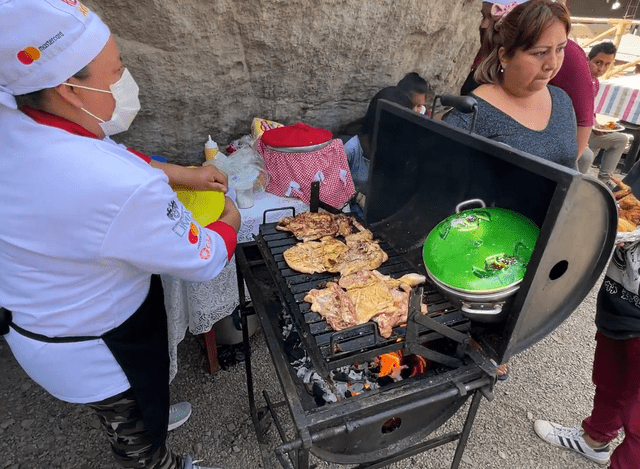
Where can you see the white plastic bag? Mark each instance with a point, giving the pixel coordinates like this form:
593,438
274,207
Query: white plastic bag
243,167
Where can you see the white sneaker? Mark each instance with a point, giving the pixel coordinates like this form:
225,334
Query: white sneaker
178,414
570,438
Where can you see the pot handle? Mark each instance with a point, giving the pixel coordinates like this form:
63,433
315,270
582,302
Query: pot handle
462,205
497,309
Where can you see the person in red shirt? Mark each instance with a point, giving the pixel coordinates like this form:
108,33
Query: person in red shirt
601,56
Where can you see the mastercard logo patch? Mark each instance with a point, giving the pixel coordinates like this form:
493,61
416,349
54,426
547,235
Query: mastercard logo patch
193,234
28,55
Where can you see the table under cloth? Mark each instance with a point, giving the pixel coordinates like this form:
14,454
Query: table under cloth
620,97
197,306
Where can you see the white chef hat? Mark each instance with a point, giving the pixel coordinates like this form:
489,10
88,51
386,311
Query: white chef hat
44,43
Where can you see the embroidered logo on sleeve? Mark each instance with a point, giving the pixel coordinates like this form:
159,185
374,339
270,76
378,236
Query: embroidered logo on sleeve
173,210
193,233
205,252
182,217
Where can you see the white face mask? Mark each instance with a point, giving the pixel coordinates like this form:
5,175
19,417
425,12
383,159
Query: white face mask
125,93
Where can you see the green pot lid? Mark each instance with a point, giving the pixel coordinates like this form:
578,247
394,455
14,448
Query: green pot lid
480,250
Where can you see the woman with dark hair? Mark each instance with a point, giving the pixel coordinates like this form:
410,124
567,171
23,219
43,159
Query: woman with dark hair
358,148
524,49
417,88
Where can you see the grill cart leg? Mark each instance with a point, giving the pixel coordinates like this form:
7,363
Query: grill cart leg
466,430
258,416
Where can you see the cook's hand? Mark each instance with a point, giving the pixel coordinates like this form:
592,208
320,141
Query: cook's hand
207,178
230,214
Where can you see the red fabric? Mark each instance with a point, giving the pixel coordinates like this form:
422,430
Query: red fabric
616,403
228,234
575,79
291,174
139,154
296,135
45,118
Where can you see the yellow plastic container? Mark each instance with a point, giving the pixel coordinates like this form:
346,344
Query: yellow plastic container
206,206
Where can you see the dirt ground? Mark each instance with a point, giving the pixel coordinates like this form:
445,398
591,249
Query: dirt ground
551,380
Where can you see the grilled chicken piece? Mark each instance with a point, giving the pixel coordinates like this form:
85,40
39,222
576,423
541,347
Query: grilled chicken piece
371,296
309,226
333,304
625,225
364,254
632,216
623,189
629,202
315,256
329,254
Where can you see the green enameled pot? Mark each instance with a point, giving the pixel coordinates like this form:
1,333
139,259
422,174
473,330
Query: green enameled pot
480,250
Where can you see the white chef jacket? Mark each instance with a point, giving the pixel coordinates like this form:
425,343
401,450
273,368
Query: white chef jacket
85,224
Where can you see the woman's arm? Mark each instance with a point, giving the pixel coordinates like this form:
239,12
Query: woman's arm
195,177
583,139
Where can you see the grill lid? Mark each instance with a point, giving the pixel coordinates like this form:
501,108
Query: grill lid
432,166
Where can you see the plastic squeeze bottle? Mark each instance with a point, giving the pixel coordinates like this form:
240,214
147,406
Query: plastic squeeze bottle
210,149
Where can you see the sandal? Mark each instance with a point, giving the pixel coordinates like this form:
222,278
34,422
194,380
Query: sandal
503,372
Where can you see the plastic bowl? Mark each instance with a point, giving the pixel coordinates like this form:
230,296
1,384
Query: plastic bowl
206,206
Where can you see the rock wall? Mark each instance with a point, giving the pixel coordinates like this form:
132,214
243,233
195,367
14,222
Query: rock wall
210,66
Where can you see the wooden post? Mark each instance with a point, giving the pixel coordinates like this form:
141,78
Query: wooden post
613,71
601,36
621,29
212,350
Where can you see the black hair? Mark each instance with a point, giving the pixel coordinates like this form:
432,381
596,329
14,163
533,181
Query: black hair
36,98
413,84
391,93
608,48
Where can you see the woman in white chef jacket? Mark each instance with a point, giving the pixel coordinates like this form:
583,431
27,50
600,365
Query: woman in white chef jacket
86,223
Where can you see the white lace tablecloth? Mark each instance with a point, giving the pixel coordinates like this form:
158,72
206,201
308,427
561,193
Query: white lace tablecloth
197,306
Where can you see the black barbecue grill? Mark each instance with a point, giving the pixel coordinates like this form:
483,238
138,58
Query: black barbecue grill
420,170
330,349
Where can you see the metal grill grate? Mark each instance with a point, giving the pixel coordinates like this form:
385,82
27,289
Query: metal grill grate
329,349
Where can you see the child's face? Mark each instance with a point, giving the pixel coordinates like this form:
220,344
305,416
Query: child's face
418,101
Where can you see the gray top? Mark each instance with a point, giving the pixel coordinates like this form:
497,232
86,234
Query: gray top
557,142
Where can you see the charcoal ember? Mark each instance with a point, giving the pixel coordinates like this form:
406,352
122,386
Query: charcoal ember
342,387
293,347
318,395
321,389
286,330
341,376
385,380
357,387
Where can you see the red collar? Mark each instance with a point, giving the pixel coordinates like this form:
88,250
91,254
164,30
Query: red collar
44,118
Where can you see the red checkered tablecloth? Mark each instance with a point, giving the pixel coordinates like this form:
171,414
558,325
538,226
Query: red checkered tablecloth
291,174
